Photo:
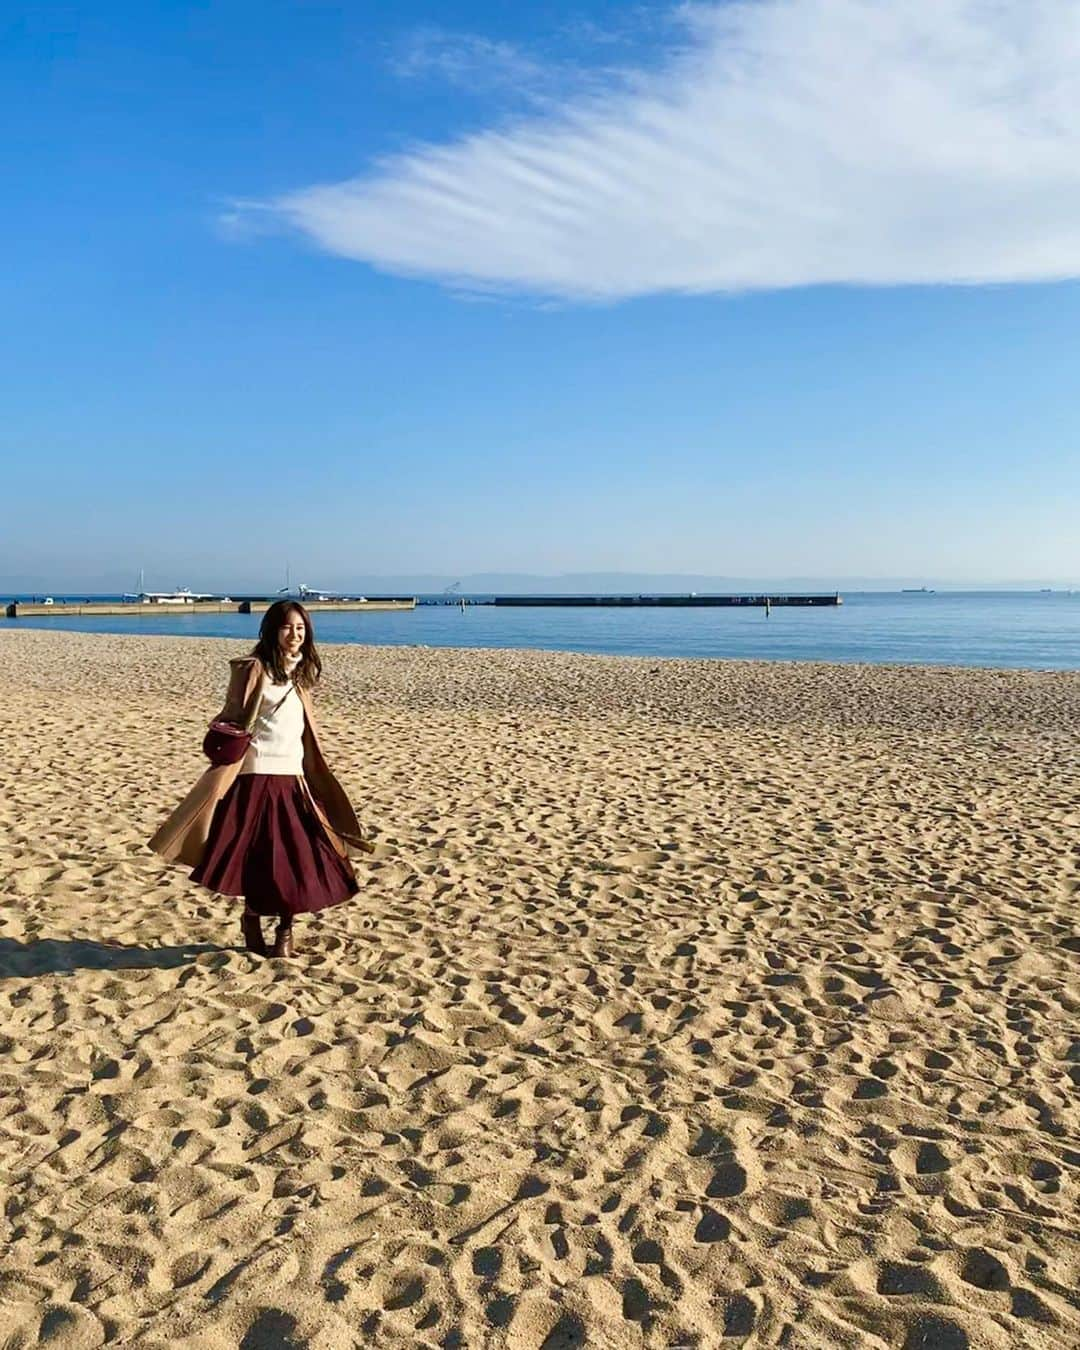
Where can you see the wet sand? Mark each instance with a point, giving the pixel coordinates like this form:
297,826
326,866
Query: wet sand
684,1003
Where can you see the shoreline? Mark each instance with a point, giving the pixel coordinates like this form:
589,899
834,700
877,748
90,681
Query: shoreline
721,691
680,997
999,635
769,663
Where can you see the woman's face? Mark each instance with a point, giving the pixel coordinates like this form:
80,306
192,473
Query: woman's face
291,634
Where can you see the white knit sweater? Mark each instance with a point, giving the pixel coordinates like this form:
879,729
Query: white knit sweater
277,738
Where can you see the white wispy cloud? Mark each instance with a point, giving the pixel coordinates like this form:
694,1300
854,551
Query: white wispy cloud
784,143
581,60
470,61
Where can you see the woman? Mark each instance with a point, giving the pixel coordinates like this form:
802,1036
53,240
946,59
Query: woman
274,827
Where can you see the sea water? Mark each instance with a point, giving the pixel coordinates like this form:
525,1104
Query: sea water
1024,630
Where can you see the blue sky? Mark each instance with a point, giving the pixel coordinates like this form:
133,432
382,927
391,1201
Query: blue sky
779,289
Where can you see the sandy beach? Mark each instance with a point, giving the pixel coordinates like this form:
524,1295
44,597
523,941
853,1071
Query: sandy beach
684,1003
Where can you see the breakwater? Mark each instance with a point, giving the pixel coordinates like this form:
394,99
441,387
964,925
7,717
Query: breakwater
135,609
670,601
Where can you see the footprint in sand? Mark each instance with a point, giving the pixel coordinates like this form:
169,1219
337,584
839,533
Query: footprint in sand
646,857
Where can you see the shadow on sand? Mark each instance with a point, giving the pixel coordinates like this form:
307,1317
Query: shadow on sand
52,956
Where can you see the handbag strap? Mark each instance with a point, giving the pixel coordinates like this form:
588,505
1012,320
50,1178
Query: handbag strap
273,711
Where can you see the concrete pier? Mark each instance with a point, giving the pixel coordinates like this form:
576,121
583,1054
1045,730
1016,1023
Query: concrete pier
672,601
336,606
17,609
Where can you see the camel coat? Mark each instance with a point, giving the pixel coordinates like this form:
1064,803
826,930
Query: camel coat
182,837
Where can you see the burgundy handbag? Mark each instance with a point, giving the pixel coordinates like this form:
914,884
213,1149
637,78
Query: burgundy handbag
227,743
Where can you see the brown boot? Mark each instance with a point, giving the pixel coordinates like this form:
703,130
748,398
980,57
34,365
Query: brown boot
283,943
251,927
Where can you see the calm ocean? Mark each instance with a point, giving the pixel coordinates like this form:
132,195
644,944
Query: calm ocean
985,628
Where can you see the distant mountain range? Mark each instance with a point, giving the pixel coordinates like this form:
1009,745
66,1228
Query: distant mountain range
589,583
521,583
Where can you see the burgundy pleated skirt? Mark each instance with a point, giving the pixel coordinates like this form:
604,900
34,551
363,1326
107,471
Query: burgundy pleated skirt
267,844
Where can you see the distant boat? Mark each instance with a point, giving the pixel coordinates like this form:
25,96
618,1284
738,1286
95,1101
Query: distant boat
303,592
1046,590
183,596
918,590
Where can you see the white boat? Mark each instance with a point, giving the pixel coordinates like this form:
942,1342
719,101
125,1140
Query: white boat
303,593
183,596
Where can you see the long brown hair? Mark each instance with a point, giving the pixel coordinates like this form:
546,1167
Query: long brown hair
267,650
